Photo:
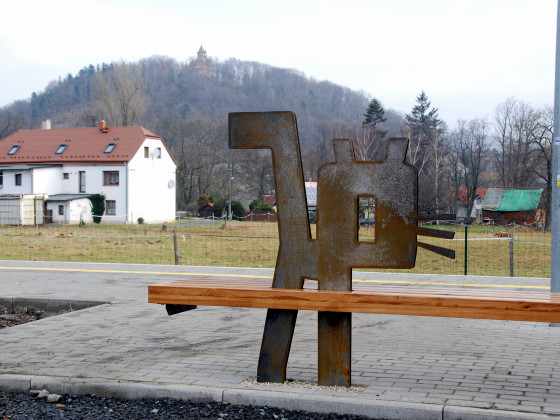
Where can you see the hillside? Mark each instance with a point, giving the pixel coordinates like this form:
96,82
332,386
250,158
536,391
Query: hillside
187,104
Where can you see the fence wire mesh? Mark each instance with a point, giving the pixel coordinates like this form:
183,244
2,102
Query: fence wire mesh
521,251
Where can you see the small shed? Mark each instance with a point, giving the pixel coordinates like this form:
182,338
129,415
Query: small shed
207,210
68,208
511,205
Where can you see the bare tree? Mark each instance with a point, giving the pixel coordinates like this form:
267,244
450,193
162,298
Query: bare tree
11,122
472,144
541,136
517,158
438,171
121,95
200,152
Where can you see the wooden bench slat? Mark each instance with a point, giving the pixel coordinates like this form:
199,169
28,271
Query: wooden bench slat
395,300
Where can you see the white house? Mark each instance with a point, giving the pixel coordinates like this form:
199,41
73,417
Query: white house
131,166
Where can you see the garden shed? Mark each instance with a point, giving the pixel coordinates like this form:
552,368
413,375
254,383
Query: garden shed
503,205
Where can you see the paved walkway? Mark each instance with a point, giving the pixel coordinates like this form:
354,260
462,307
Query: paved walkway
411,367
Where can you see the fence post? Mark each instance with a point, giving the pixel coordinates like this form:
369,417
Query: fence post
466,247
175,247
511,255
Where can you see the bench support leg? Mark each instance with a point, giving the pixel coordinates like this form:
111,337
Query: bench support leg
335,345
276,344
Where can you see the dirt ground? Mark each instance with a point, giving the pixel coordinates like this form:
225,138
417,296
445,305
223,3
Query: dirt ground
20,315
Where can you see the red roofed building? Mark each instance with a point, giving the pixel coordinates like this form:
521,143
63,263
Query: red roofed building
462,202
131,166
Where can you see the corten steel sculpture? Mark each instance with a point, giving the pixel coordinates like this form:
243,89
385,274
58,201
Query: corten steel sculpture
330,257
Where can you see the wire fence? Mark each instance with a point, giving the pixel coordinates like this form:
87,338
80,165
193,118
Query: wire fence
513,250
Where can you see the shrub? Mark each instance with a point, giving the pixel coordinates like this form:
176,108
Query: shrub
97,207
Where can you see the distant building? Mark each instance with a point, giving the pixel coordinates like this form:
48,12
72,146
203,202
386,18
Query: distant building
462,204
202,64
511,205
207,210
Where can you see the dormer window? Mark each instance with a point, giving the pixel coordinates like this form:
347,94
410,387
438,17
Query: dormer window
14,149
61,148
110,147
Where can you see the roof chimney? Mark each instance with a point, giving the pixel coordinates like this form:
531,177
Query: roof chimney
46,124
103,126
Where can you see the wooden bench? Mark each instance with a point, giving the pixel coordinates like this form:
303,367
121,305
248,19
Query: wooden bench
334,367
442,301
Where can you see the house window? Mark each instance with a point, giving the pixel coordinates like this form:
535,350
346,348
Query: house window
17,179
146,152
61,210
1,178
65,175
158,152
14,149
82,181
110,177
110,147
110,207
61,148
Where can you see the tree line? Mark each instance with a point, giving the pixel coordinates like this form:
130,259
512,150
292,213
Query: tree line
189,110
511,150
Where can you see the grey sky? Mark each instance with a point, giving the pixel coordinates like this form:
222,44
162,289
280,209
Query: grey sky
468,56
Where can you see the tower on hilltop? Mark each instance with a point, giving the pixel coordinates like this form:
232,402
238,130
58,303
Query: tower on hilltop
202,64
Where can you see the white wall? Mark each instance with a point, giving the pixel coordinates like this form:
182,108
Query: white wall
47,180
94,185
9,182
73,211
150,194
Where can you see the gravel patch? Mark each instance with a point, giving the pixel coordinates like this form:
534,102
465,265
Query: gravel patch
20,315
291,383
18,406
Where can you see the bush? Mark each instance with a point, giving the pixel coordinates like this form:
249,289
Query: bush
140,220
258,205
220,208
97,207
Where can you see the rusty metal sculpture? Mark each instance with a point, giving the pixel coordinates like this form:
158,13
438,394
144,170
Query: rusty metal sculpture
330,257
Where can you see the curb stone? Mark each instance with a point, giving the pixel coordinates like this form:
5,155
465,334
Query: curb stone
470,413
338,405
284,400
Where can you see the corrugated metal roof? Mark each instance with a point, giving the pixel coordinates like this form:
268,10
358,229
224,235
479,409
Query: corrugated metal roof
511,200
25,167
67,197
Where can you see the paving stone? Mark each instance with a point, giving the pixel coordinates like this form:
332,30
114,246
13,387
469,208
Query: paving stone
471,363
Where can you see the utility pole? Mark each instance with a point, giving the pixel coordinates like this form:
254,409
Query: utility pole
555,207
230,177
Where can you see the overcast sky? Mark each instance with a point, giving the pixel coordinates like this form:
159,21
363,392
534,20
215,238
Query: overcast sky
468,56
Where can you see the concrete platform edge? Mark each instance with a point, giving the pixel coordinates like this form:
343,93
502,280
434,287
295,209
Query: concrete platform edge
285,400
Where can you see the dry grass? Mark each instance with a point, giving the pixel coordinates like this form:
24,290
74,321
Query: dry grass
255,244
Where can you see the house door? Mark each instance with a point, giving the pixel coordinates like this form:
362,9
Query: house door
82,181
48,216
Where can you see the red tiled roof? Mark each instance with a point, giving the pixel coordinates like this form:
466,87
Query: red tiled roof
84,145
269,199
463,194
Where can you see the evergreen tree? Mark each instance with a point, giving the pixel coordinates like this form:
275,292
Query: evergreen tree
423,121
375,113
424,129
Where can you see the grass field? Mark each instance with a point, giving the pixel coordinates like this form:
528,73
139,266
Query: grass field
255,244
